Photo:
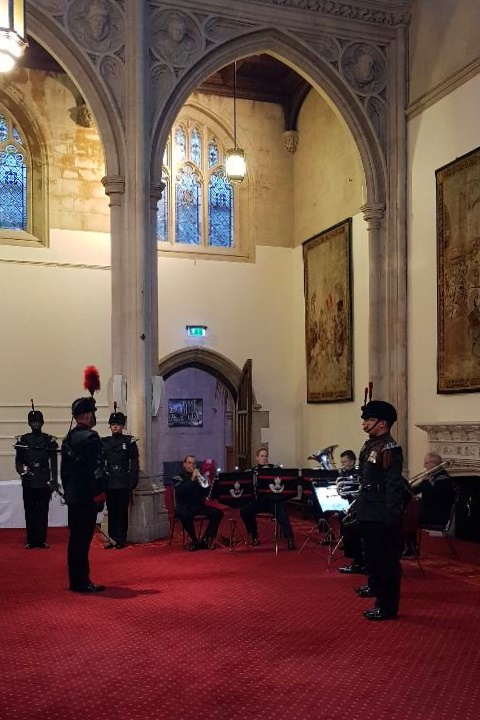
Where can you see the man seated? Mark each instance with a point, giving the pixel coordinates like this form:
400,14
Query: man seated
190,501
437,492
349,528
264,504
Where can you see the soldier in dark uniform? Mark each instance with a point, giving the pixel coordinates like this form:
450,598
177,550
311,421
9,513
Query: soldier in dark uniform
36,463
82,478
121,477
190,501
380,509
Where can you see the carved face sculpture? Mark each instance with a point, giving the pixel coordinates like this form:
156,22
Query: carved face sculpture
176,29
364,68
98,20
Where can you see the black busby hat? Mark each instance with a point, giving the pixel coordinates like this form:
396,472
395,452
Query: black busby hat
379,409
117,418
83,405
35,416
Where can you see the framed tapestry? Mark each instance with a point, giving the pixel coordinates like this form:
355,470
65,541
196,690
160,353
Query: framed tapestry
328,314
185,413
458,270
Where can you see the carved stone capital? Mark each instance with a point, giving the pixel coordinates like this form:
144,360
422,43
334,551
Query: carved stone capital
290,140
156,190
115,188
373,214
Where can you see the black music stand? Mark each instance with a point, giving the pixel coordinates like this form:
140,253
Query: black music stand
324,478
234,489
277,485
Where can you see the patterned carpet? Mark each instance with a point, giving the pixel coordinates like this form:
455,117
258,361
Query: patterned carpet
225,635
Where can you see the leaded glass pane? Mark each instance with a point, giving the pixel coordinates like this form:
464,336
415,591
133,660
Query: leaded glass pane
16,135
162,215
3,128
213,153
13,189
188,207
180,145
196,147
220,211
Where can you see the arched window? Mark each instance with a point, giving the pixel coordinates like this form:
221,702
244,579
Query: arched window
23,177
13,176
199,210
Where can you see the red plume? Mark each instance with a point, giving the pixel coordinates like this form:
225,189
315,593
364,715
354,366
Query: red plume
91,379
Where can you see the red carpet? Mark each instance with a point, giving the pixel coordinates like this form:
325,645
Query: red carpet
221,636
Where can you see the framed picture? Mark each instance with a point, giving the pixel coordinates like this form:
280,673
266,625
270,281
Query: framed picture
458,270
185,413
328,314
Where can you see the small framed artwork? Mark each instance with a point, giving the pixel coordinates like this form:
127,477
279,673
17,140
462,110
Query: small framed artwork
185,412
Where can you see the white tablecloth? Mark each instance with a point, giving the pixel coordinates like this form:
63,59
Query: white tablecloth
12,514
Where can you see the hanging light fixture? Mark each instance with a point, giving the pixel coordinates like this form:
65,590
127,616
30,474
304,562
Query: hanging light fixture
12,32
235,164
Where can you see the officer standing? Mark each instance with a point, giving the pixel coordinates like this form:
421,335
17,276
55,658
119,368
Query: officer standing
36,463
121,477
82,478
380,509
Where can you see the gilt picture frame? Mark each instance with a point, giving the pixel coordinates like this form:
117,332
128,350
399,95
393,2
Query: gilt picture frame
458,274
328,314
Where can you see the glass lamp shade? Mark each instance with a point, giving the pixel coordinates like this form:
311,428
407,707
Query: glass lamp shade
235,165
12,32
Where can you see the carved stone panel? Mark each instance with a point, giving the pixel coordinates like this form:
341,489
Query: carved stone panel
457,442
97,26
176,37
363,67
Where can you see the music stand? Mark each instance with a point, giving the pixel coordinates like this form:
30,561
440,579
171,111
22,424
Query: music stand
277,485
320,485
235,489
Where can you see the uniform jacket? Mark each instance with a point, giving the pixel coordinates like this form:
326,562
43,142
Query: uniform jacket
121,462
188,491
438,495
382,487
36,459
82,466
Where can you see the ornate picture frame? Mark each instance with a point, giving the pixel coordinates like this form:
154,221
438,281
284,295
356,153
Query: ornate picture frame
328,314
458,274
185,412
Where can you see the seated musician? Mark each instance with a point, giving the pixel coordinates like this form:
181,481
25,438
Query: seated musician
437,491
249,512
190,498
349,529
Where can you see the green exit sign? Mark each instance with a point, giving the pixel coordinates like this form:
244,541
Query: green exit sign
196,331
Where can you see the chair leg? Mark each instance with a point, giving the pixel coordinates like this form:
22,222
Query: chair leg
174,522
450,544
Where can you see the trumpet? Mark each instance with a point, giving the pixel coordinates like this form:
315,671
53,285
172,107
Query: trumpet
203,481
422,475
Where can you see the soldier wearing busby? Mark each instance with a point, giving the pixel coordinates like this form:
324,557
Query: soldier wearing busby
36,463
380,509
121,477
82,478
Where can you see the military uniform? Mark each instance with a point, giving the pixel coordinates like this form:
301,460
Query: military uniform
380,512
250,511
36,463
121,477
438,495
82,478
190,501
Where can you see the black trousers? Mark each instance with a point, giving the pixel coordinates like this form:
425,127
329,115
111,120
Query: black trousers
117,506
352,541
36,502
249,513
186,514
81,522
383,549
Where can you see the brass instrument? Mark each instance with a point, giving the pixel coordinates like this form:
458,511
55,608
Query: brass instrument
325,457
203,481
422,475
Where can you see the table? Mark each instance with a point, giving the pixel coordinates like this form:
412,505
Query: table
11,507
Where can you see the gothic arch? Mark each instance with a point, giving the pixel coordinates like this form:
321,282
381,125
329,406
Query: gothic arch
309,64
69,56
207,360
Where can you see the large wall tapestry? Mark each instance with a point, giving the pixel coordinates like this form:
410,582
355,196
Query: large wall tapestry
458,249
328,314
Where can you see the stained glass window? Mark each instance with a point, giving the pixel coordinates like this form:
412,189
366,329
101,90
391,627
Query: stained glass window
162,214
196,147
198,206
220,210
188,206
13,178
213,154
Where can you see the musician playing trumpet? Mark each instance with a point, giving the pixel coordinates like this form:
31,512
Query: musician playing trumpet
191,490
437,491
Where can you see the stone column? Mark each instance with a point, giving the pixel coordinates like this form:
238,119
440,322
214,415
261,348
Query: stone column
374,215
